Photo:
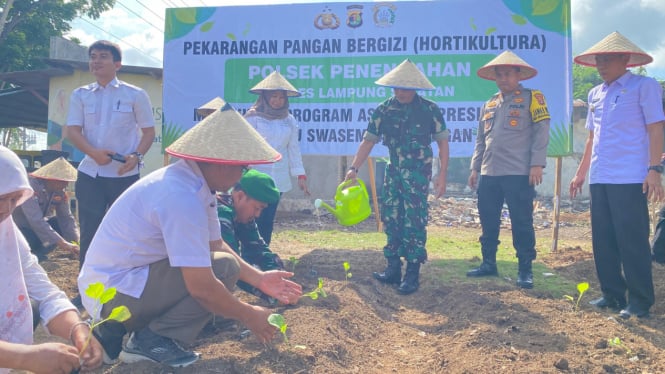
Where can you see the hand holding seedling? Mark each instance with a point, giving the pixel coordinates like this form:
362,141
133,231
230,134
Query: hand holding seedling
102,295
256,319
275,284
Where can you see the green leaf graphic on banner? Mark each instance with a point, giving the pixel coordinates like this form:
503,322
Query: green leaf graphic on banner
170,133
206,26
560,143
490,30
519,20
185,15
473,24
180,21
545,14
543,7
231,36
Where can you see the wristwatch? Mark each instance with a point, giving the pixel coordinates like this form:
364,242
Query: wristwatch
657,168
138,155
354,169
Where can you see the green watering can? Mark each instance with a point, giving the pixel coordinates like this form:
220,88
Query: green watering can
351,203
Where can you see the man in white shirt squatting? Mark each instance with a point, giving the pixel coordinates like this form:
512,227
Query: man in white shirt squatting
160,246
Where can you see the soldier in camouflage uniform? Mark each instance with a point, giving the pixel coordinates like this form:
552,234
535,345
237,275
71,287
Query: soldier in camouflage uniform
408,124
237,212
510,155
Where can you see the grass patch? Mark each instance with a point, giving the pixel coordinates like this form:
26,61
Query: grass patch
451,254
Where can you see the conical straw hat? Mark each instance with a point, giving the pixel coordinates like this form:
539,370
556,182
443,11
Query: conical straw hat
211,106
406,76
224,137
275,82
58,169
614,43
507,58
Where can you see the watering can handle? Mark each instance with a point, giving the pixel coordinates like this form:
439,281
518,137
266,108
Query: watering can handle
347,182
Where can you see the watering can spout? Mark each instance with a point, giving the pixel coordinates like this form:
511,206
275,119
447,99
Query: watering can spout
318,203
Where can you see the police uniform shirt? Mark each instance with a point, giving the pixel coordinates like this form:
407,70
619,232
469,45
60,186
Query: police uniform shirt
513,134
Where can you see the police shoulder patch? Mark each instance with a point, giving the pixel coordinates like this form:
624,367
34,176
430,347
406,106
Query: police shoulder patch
538,107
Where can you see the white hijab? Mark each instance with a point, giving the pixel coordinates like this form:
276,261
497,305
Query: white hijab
15,309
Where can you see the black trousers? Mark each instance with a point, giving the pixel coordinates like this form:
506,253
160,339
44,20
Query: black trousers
518,194
36,245
95,196
620,237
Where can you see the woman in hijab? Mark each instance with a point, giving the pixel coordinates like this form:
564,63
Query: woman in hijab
23,279
271,118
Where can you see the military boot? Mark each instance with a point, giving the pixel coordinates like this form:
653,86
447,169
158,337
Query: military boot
393,272
411,279
524,274
487,267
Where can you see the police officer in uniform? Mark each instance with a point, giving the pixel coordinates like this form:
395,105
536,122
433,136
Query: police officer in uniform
508,161
408,124
46,219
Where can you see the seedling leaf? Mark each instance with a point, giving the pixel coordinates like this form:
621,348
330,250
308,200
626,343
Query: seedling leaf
120,313
107,295
582,287
95,290
278,321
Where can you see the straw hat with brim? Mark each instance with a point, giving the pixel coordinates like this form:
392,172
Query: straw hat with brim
614,44
507,58
224,137
275,82
58,169
406,76
211,106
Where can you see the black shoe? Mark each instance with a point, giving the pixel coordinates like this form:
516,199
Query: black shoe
146,345
411,282
110,335
525,279
632,311
484,270
393,272
608,302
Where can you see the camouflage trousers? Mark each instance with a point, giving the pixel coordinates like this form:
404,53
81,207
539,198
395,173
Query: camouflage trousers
404,213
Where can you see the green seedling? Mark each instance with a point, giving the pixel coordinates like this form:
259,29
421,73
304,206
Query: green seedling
616,342
278,321
347,272
318,291
103,295
581,289
293,261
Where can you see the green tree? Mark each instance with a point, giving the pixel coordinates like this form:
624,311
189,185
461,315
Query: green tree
27,25
584,79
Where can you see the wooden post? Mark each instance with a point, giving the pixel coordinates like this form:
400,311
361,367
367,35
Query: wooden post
375,200
556,203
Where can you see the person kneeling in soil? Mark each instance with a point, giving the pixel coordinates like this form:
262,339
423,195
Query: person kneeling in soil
237,212
160,246
23,281
46,219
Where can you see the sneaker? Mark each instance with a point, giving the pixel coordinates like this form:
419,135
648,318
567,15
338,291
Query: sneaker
145,345
110,335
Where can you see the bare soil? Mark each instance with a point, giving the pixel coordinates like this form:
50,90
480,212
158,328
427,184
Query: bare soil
464,327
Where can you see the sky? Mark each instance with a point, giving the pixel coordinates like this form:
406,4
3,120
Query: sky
137,25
